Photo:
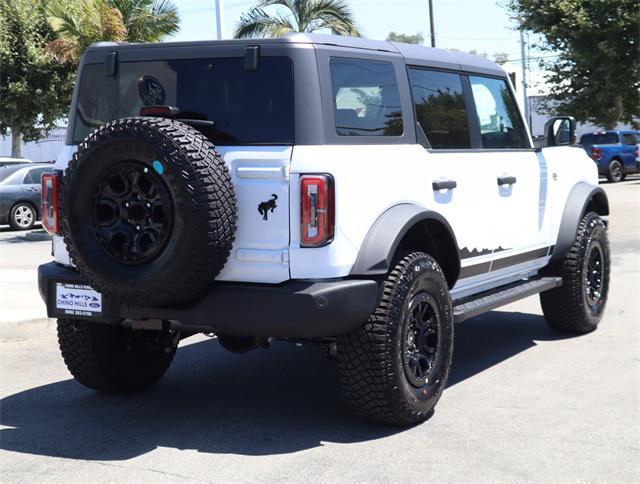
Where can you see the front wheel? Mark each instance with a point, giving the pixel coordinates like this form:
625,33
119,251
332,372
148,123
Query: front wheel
394,368
577,306
115,359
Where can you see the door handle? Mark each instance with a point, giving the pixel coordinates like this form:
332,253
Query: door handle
506,180
444,185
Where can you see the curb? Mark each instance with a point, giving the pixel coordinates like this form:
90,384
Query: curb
37,235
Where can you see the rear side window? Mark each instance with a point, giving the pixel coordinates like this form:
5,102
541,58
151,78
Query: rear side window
599,139
440,108
501,125
247,107
631,138
366,98
33,176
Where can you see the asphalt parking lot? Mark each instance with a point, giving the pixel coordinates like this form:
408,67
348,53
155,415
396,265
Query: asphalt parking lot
523,404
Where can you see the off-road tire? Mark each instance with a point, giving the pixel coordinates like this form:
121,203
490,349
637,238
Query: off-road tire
16,213
112,358
615,172
369,360
566,308
203,210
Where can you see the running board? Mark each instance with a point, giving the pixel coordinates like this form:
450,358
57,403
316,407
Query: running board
486,301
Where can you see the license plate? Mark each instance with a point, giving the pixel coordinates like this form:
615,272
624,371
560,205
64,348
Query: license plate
77,300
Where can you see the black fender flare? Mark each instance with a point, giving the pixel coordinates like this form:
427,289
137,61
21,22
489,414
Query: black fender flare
383,238
582,196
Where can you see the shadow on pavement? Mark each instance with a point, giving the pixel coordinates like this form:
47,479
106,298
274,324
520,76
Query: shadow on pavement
265,402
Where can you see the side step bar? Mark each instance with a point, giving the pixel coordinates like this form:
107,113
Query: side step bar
486,301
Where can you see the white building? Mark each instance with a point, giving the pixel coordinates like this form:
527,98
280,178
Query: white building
46,149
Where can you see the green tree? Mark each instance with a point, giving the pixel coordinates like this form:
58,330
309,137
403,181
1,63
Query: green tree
148,20
35,88
417,38
80,23
297,16
596,74
500,58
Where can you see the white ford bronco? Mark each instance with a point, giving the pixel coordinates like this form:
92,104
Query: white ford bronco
357,194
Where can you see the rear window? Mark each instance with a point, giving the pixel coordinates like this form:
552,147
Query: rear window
247,107
599,139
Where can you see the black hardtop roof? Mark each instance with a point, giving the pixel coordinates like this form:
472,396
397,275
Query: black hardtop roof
413,54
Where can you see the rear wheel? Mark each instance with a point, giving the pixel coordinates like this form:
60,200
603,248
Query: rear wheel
115,359
615,174
577,306
22,216
395,367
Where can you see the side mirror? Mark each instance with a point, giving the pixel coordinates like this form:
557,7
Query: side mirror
560,131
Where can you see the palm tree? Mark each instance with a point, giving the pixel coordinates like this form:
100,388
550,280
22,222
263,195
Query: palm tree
79,23
302,16
148,20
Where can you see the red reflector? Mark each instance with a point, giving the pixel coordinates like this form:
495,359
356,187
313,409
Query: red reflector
596,153
159,111
50,197
316,210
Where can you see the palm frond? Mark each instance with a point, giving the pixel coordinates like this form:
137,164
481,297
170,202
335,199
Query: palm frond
297,15
336,16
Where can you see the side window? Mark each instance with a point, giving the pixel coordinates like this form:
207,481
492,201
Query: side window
366,99
28,178
501,125
440,108
631,138
36,175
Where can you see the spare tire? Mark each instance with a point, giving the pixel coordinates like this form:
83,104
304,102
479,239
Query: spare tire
149,211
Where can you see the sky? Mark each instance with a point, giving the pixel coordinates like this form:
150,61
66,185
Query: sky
480,25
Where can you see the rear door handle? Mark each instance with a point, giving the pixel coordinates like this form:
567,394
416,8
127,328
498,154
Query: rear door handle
506,180
444,185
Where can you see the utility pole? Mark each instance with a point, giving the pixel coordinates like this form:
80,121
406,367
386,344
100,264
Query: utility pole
432,24
524,77
219,19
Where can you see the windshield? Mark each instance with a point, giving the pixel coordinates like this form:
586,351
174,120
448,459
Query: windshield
599,139
247,107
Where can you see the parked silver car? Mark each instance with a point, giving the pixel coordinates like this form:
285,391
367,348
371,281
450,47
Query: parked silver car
8,161
20,194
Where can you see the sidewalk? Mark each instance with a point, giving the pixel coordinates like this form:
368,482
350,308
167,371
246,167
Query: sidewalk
19,259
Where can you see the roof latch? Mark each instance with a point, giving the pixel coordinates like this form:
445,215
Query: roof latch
251,57
111,64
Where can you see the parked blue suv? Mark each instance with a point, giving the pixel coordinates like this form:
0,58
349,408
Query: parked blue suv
617,153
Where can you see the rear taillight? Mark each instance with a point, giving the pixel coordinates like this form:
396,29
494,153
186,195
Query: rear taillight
596,153
51,202
317,210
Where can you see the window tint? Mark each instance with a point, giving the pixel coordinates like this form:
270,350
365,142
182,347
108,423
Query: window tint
500,123
34,176
366,98
631,138
440,108
247,107
599,139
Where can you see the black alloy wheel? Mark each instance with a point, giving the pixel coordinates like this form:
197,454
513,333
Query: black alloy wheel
594,274
133,213
421,340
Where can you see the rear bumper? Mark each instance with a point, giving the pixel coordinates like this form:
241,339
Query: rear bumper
295,309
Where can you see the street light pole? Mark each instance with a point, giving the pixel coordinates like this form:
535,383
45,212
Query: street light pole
432,24
524,78
219,19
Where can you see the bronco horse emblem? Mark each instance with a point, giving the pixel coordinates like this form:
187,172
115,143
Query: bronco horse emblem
270,204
